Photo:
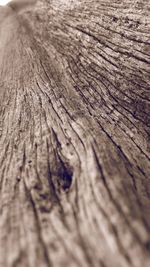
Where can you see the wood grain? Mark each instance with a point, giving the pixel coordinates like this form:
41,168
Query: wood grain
74,134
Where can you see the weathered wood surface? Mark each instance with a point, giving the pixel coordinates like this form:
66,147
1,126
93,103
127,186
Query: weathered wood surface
74,131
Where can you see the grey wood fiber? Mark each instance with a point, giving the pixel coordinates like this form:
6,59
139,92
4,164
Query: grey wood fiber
74,133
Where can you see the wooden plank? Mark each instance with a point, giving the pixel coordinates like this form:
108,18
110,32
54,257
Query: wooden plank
74,133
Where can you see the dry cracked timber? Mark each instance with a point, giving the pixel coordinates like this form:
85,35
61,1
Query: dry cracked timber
74,133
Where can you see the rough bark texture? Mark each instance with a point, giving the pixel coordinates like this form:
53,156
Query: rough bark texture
74,131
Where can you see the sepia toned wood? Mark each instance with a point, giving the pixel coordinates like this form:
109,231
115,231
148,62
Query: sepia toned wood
74,133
